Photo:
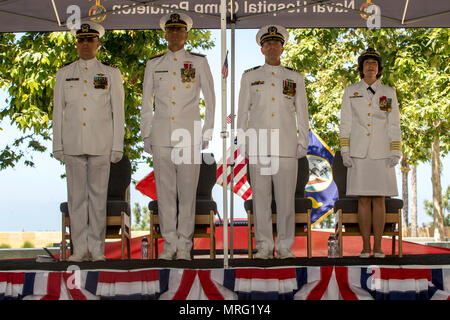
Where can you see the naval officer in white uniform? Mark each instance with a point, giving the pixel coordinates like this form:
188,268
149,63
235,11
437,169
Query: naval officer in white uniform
370,140
172,132
272,103
88,131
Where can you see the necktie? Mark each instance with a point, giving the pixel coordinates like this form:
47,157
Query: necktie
371,90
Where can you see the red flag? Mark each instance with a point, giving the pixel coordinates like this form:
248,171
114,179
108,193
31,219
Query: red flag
147,186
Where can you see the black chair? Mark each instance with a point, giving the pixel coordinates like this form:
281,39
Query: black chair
118,220
303,208
205,209
346,209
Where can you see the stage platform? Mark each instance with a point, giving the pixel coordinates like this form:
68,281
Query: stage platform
423,273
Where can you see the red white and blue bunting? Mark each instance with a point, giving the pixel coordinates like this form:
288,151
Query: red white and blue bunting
302,283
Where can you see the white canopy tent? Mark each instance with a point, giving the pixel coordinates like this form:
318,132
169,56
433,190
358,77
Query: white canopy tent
56,15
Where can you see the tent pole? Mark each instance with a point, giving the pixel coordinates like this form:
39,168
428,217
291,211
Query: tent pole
233,146
224,133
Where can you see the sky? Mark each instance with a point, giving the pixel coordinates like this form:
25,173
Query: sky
30,197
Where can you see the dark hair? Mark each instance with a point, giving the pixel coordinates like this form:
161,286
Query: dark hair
361,62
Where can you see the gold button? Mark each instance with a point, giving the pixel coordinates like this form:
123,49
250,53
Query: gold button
188,86
173,118
369,114
368,134
85,81
71,86
85,95
84,124
368,124
84,109
85,68
273,84
173,102
175,59
257,90
160,78
273,73
370,104
173,88
273,114
273,99
174,73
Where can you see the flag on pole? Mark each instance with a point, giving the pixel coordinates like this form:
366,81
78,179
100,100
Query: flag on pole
225,67
321,188
241,185
147,186
230,116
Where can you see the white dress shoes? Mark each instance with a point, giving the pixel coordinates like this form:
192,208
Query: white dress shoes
285,254
364,255
183,255
78,258
263,254
167,255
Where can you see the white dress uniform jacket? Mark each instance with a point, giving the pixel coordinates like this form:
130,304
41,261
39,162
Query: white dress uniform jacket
172,84
88,115
88,124
366,130
274,97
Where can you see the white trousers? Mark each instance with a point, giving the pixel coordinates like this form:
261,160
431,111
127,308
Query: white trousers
176,181
285,181
87,188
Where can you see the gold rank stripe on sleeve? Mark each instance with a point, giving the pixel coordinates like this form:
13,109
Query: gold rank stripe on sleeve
292,69
197,54
345,142
396,145
157,56
251,69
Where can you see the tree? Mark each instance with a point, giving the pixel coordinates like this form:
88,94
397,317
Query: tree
428,206
28,65
141,218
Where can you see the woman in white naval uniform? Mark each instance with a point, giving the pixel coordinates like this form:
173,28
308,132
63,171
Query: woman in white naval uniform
172,84
370,140
273,105
88,131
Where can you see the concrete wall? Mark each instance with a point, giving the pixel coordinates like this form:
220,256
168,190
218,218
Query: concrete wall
40,239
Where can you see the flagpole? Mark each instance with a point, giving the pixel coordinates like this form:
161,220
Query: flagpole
224,133
233,146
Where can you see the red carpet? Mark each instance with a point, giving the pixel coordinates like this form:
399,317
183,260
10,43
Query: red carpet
352,245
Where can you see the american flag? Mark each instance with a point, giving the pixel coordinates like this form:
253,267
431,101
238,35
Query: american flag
225,67
241,185
229,117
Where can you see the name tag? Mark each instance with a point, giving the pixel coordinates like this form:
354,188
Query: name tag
72,79
161,71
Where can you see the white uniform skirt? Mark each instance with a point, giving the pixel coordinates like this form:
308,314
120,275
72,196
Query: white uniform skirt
371,177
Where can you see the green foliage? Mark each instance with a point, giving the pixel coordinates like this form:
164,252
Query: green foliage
141,218
428,206
5,246
415,63
27,244
28,66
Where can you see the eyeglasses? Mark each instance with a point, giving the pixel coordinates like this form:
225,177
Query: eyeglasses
81,40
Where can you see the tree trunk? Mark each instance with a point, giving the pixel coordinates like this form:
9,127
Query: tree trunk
437,191
405,170
414,201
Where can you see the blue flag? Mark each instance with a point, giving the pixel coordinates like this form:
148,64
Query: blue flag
320,188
